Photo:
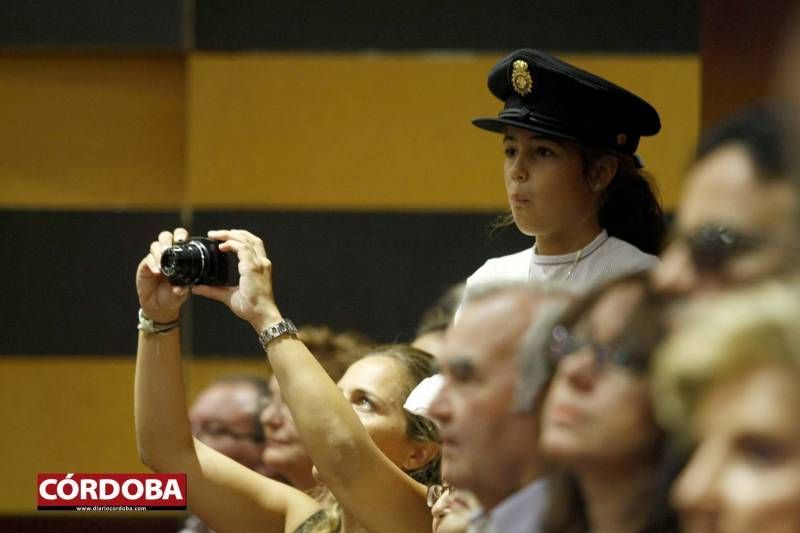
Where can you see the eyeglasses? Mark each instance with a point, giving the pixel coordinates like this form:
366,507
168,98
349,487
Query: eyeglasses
437,491
712,246
220,432
622,355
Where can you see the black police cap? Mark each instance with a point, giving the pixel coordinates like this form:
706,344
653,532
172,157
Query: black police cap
548,96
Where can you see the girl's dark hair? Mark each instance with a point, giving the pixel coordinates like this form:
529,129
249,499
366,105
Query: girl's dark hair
629,209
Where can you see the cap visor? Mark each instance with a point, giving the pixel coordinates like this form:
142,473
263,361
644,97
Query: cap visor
498,125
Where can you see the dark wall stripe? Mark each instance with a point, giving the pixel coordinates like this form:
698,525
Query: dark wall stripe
70,280
662,26
375,272
72,274
92,23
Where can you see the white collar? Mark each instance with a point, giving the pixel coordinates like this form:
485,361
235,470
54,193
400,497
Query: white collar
570,257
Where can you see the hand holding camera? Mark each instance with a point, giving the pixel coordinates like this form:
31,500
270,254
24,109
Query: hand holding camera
253,299
231,266
159,300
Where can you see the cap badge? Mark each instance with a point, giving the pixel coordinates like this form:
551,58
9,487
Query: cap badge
621,139
521,78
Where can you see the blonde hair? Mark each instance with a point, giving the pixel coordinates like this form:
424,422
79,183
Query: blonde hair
722,337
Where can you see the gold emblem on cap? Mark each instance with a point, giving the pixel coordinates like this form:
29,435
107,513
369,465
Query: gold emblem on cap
621,139
521,78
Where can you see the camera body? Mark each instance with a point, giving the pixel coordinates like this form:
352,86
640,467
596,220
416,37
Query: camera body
199,261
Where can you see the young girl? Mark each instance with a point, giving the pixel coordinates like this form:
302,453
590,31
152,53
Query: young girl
572,178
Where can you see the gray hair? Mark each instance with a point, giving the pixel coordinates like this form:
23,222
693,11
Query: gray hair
534,367
534,370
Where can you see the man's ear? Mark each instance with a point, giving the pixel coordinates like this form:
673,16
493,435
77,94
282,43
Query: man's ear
422,453
602,172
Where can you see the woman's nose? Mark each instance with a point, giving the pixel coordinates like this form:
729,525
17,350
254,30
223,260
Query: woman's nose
696,489
519,172
517,169
580,369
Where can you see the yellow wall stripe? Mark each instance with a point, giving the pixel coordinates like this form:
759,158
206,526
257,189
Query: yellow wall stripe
364,132
387,131
91,132
76,415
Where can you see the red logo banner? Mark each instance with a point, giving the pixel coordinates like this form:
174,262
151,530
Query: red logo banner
111,492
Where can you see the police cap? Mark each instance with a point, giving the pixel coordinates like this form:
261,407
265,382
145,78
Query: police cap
548,96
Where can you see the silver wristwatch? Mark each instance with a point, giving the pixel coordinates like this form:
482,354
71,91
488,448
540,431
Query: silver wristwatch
284,327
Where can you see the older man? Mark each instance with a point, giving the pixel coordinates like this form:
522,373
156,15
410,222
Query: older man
225,416
489,442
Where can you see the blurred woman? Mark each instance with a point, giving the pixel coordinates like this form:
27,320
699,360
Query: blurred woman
367,450
597,421
728,381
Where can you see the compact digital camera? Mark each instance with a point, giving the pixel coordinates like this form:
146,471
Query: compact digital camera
199,261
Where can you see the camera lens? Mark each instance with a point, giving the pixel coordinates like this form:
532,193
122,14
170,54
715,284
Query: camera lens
185,264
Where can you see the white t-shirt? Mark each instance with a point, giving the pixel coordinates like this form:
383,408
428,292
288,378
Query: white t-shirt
603,259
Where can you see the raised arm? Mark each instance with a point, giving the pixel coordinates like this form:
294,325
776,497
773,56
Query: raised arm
225,494
369,486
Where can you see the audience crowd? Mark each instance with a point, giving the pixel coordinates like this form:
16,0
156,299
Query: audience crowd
618,376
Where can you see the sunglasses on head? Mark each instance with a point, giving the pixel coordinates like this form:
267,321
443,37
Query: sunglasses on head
712,246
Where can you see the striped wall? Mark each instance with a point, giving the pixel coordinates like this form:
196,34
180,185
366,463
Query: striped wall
340,134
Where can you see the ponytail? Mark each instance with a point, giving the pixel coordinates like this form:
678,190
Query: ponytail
629,209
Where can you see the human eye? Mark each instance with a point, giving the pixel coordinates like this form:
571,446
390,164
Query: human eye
761,451
509,151
544,151
462,371
214,430
363,402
